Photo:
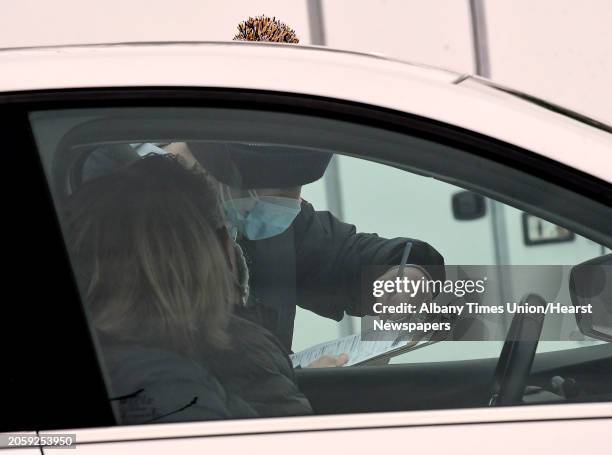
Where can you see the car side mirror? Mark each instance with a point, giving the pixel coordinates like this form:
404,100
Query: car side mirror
591,284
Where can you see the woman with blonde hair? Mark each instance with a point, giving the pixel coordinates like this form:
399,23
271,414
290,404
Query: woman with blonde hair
160,276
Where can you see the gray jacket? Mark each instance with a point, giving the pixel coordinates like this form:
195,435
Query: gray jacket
253,378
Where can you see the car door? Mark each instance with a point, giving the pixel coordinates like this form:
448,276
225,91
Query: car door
388,163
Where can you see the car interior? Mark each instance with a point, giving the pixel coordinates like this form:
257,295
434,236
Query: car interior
68,139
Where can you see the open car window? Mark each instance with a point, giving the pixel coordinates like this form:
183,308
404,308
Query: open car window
227,260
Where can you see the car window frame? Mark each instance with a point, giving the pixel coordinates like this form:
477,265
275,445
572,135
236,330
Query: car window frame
14,108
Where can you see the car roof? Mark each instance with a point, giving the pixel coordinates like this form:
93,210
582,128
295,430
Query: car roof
429,92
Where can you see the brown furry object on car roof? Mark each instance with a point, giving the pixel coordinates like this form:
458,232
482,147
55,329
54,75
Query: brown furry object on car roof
263,28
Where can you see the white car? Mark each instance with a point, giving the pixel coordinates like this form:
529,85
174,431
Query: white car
531,186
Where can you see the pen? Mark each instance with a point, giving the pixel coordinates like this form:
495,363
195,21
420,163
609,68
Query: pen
405,255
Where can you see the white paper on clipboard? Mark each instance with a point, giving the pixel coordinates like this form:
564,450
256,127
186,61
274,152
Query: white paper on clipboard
358,351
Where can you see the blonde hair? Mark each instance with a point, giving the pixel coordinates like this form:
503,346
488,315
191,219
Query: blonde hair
147,245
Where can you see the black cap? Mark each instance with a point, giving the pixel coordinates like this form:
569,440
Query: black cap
260,166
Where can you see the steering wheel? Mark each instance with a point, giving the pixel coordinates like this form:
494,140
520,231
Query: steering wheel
514,364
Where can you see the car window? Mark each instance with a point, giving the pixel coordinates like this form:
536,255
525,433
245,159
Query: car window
432,217
215,249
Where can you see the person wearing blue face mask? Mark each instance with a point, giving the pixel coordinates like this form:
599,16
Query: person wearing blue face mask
297,256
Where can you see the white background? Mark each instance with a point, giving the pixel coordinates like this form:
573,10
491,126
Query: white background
560,50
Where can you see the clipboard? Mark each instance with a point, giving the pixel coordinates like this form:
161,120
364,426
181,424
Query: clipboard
360,352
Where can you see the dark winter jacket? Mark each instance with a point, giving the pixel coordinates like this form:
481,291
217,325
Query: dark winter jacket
317,264
252,378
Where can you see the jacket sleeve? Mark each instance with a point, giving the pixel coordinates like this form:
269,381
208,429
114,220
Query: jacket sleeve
331,257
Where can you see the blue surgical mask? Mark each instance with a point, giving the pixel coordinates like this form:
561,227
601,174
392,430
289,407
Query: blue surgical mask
261,217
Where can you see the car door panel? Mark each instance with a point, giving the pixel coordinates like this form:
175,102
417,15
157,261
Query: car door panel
501,438
435,385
